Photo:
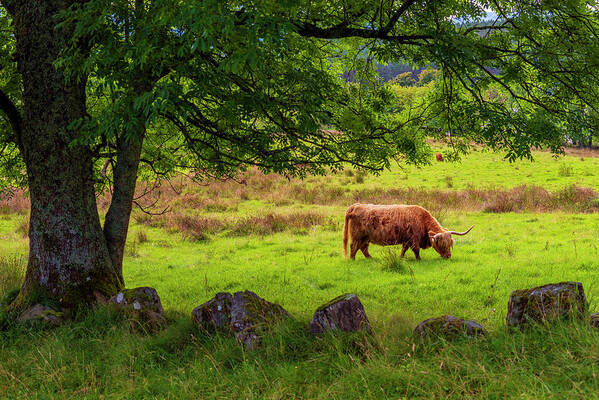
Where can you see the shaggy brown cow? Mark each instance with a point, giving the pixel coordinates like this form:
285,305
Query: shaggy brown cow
439,157
411,226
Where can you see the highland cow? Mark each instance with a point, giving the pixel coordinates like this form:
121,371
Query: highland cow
439,157
386,225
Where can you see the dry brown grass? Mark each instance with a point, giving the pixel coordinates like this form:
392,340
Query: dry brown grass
199,227
536,199
18,202
225,196
273,223
194,228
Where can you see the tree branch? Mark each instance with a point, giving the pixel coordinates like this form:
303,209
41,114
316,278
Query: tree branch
338,32
14,116
400,11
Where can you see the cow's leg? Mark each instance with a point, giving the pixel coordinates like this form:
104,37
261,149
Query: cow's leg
354,247
404,248
364,250
416,250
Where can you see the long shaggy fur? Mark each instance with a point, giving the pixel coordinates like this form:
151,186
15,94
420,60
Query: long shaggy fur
409,225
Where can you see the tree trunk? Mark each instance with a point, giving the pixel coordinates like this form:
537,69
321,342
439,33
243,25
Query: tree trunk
69,260
117,219
124,173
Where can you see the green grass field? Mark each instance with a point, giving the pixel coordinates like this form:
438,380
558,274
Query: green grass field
295,258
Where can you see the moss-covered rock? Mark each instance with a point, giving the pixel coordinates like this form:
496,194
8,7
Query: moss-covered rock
40,312
215,313
244,314
449,327
142,307
546,303
251,316
343,313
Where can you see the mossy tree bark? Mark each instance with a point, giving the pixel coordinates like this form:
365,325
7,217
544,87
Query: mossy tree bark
69,260
117,219
128,149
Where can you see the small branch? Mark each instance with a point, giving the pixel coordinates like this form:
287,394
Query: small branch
14,117
402,9
341,31
149,212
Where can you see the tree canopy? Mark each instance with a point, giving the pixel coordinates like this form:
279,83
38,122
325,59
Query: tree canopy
231,84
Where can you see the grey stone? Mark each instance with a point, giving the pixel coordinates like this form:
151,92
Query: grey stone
343,313
449,327
244,314
42,313
215,313
141,305
546,303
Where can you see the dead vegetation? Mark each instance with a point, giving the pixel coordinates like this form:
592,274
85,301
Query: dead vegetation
15,202
199,210
198,227
225,196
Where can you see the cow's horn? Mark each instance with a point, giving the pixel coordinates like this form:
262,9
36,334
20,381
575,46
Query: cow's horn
461,233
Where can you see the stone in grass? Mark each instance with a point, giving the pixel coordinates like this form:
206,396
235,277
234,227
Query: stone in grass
141,305
215,313
449,327
244,314
595,320
40,312
546,303
343,313
251,315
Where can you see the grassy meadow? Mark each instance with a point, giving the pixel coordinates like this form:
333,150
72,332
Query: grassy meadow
535,223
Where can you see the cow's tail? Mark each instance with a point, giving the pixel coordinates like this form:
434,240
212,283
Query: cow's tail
346,233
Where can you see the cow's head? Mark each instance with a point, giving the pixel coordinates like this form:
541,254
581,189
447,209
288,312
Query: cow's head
443,242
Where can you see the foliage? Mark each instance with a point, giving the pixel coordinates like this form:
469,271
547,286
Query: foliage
426,76
230,84
403,79
11,164
220,86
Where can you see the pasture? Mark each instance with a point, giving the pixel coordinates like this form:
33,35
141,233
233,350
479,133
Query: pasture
282,239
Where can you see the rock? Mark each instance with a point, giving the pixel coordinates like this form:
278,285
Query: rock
141,305
449,327
343,313
215,312
40,312
595,320
546,303
244,314
251,315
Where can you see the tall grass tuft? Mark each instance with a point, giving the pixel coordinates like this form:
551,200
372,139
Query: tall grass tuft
392,261
131,249
23,226
564,170
142,237
12,272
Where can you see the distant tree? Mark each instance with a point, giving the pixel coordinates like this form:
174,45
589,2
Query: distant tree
218,86
426,76
403,79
